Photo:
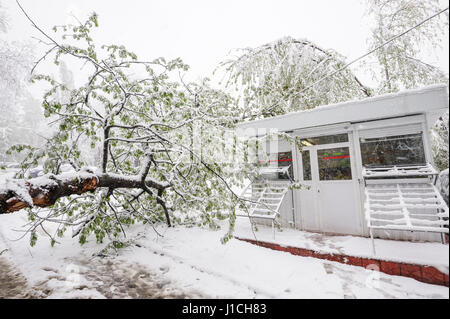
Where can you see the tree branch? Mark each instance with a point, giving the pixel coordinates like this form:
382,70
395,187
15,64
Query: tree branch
45,190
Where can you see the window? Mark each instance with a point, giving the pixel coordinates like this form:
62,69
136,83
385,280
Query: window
334,164
393,150
285,159
328,139
306,161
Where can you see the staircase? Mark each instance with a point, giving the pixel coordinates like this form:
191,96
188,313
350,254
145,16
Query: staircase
404,199
263,199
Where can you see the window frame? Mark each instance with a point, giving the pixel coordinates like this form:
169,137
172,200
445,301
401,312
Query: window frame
315,166
319,161
397,135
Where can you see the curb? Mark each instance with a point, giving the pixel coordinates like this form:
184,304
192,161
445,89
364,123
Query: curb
427,274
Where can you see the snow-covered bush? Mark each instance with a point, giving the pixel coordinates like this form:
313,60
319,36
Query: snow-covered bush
439,141
442,184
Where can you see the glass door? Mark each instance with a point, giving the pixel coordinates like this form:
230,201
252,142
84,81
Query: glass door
336,196
307,214
330,203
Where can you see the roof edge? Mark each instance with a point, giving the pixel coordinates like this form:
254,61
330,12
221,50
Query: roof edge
426,89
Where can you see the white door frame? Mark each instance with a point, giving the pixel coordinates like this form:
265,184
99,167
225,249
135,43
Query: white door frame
315,180
325,130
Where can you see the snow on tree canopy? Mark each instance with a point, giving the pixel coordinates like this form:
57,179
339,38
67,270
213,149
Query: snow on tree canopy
271,76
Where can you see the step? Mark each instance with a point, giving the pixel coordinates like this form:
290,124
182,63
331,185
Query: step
408,206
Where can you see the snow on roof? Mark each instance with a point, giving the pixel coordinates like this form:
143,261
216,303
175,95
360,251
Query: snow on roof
431,100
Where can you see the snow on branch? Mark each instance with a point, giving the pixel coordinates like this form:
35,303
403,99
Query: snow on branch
43,191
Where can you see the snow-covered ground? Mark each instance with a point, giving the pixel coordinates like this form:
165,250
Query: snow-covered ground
189,263
429,253
192,263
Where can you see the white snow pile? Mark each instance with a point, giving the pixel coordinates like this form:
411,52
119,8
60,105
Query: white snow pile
18,187
43,181
442,184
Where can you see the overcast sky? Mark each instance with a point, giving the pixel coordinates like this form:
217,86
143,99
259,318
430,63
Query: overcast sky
203,32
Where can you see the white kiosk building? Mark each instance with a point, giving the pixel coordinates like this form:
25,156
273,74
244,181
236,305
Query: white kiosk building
368,166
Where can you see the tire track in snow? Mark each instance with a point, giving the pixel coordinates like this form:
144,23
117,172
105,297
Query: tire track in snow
116,278
348,294
13,285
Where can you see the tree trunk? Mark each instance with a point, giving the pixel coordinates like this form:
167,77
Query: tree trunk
45,190
105,148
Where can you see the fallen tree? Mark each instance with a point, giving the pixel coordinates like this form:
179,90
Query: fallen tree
46,190
42,192
158,143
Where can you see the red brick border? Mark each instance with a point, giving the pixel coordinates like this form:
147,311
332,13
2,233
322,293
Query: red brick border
422,273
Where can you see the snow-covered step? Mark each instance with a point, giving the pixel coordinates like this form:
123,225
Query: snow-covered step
269,202
404,190
416,228
266,207
266,200
383,200
374,195
415,201
387,212
403,205
261,210
399,171
406,204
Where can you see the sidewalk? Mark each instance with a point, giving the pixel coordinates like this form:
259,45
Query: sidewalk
428,262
